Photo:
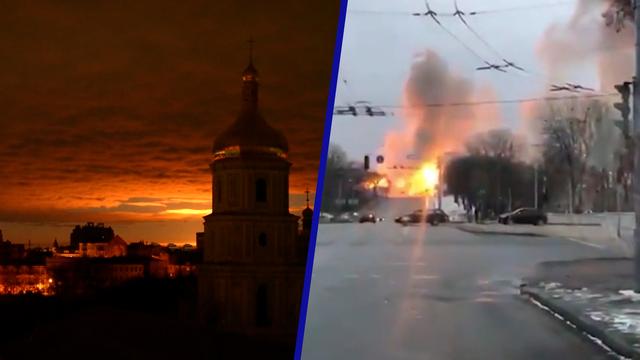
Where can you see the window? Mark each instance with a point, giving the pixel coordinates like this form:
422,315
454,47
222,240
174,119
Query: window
261,190
218,191
262,240
262,306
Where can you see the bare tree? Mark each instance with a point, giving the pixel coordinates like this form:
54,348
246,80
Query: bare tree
497,143
570,129
503,146
618,13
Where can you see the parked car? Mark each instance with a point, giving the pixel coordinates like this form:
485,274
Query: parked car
344,218
433,217
523,216
325,217
458,216
437,216
370,217
412,218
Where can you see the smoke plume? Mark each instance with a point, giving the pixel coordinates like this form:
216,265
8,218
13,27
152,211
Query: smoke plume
430,128
600,37
598,33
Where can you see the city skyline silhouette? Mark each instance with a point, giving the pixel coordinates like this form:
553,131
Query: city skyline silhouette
115,126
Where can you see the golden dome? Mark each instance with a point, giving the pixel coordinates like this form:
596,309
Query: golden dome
250,133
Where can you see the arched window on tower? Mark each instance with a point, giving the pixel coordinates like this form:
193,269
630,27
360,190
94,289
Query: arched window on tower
262,240
261,190
262,306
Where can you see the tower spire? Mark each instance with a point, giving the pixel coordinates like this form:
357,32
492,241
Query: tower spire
307,192
250,83
251,42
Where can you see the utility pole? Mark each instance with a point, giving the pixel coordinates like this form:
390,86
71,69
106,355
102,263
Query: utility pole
636,149
570,210
618,232
439,186
535,185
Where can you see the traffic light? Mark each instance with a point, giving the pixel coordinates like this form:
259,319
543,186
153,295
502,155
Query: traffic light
366,162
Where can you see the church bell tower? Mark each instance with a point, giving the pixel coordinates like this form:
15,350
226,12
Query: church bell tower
251,278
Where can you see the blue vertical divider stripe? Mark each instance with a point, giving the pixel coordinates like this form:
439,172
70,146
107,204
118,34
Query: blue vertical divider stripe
317,205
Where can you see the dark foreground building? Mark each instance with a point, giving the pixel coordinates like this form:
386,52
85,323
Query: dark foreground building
251,279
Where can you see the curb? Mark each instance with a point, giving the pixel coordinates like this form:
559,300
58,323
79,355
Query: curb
590,328
492,232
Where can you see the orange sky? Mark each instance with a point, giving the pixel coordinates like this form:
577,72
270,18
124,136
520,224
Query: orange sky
110,108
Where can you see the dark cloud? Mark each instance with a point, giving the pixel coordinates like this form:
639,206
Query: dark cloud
109,100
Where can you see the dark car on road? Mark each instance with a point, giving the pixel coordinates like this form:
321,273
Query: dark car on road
344,218
433,217
370,217
413,218
523,216
437,216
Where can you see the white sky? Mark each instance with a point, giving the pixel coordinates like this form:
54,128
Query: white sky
378,51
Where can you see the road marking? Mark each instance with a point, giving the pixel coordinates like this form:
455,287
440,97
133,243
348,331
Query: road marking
406,264
351,276
484,299
375,276
425,277
585,243
490,293
591,337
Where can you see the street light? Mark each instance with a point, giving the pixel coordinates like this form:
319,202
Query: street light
535,179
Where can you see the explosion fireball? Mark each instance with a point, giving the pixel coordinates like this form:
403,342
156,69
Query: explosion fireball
424,181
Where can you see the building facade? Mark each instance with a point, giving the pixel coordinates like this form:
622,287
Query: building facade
113,247
251,278
17,279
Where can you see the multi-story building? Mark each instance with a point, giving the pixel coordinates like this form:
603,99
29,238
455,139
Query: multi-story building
21,278
113,247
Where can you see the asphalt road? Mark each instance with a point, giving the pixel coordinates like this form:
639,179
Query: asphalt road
383,291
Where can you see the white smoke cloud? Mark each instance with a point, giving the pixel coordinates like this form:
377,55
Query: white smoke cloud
589,37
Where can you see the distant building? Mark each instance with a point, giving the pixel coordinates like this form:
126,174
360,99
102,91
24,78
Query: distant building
21,278
96,264
307,218
141,249
113,247
84,275
251,278
200,239
11,252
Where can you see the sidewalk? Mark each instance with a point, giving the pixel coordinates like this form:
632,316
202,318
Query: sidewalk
588,234
595,296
